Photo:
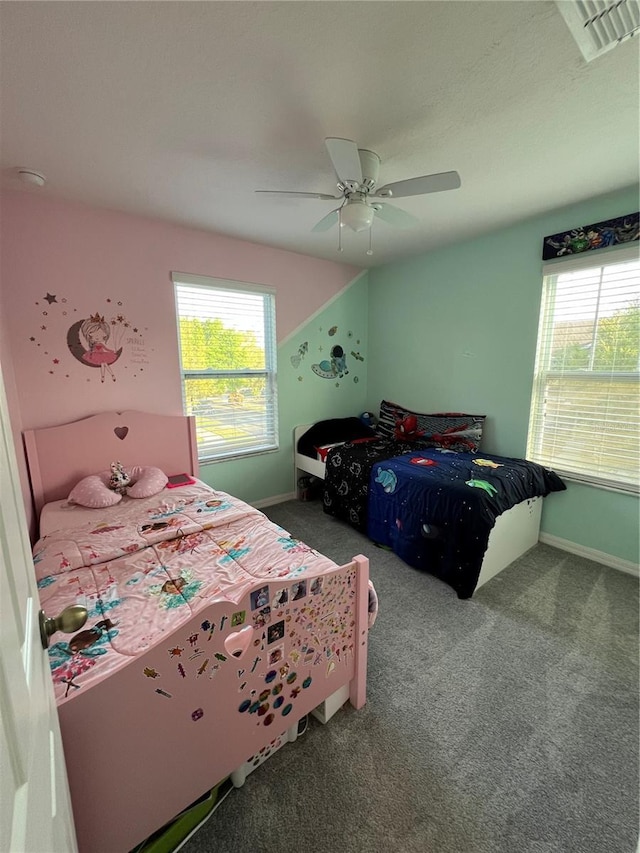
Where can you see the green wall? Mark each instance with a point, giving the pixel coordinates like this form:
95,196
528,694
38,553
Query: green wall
303,395
451,330
455,330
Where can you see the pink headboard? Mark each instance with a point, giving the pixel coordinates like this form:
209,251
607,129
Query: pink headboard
60,456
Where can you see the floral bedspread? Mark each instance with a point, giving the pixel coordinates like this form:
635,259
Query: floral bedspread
142,568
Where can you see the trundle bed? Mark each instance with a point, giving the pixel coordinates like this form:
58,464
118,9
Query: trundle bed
211,631
457,513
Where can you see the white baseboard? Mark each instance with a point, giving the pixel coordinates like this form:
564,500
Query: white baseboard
274,499
618,563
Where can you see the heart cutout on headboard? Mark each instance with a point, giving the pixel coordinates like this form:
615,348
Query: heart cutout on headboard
121,432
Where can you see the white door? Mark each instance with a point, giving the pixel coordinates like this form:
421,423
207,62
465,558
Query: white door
35,809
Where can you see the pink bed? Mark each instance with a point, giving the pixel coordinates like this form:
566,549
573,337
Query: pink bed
211,631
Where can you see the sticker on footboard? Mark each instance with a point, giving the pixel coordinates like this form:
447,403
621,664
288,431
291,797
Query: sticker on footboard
275,632
278,645
259,598
276,655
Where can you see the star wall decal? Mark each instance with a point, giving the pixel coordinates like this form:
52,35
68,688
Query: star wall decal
51,297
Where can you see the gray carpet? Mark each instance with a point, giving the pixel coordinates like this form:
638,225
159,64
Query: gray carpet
507,723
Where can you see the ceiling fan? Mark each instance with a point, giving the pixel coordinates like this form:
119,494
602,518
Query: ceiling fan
357,172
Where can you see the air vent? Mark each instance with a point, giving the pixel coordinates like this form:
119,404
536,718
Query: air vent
600,25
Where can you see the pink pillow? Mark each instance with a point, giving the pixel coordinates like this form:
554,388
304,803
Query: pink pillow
145,481
94,492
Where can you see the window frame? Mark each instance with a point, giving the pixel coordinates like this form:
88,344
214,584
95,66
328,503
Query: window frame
544,374
270,352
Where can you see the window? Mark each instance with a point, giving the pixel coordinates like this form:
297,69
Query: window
228,359
585,407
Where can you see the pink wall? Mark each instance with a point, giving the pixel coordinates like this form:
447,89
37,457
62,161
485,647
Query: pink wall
118,266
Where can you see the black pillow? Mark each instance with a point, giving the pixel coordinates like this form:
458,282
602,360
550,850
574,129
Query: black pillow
332,431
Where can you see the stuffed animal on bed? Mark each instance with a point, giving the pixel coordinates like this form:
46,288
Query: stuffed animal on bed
407,428
119,479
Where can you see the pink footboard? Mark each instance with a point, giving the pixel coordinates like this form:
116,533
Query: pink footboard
144,743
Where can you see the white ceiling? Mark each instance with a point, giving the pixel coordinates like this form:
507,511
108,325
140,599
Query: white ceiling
180,110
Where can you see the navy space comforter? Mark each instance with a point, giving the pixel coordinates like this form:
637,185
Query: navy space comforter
434,507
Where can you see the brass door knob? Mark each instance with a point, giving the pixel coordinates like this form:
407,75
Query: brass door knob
70,620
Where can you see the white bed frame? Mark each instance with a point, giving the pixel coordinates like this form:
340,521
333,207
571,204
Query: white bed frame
515,531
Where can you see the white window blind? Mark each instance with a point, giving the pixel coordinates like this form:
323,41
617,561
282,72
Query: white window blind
585,411
228,360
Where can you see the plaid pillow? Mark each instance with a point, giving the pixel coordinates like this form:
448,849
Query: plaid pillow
452,430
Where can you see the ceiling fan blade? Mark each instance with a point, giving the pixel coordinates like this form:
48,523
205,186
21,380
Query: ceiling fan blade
346,160
327,221
288,194
419,186
395,216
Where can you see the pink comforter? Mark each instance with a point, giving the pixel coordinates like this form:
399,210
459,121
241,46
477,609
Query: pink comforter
142,568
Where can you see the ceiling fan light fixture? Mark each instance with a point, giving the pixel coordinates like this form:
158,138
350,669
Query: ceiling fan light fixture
357,171
357,215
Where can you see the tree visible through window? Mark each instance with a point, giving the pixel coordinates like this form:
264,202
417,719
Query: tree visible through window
227,348
585,415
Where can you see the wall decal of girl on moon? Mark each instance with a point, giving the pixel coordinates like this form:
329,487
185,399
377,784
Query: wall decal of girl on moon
95,332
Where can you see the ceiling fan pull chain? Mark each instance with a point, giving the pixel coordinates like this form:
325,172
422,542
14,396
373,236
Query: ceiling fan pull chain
370,250
340,230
